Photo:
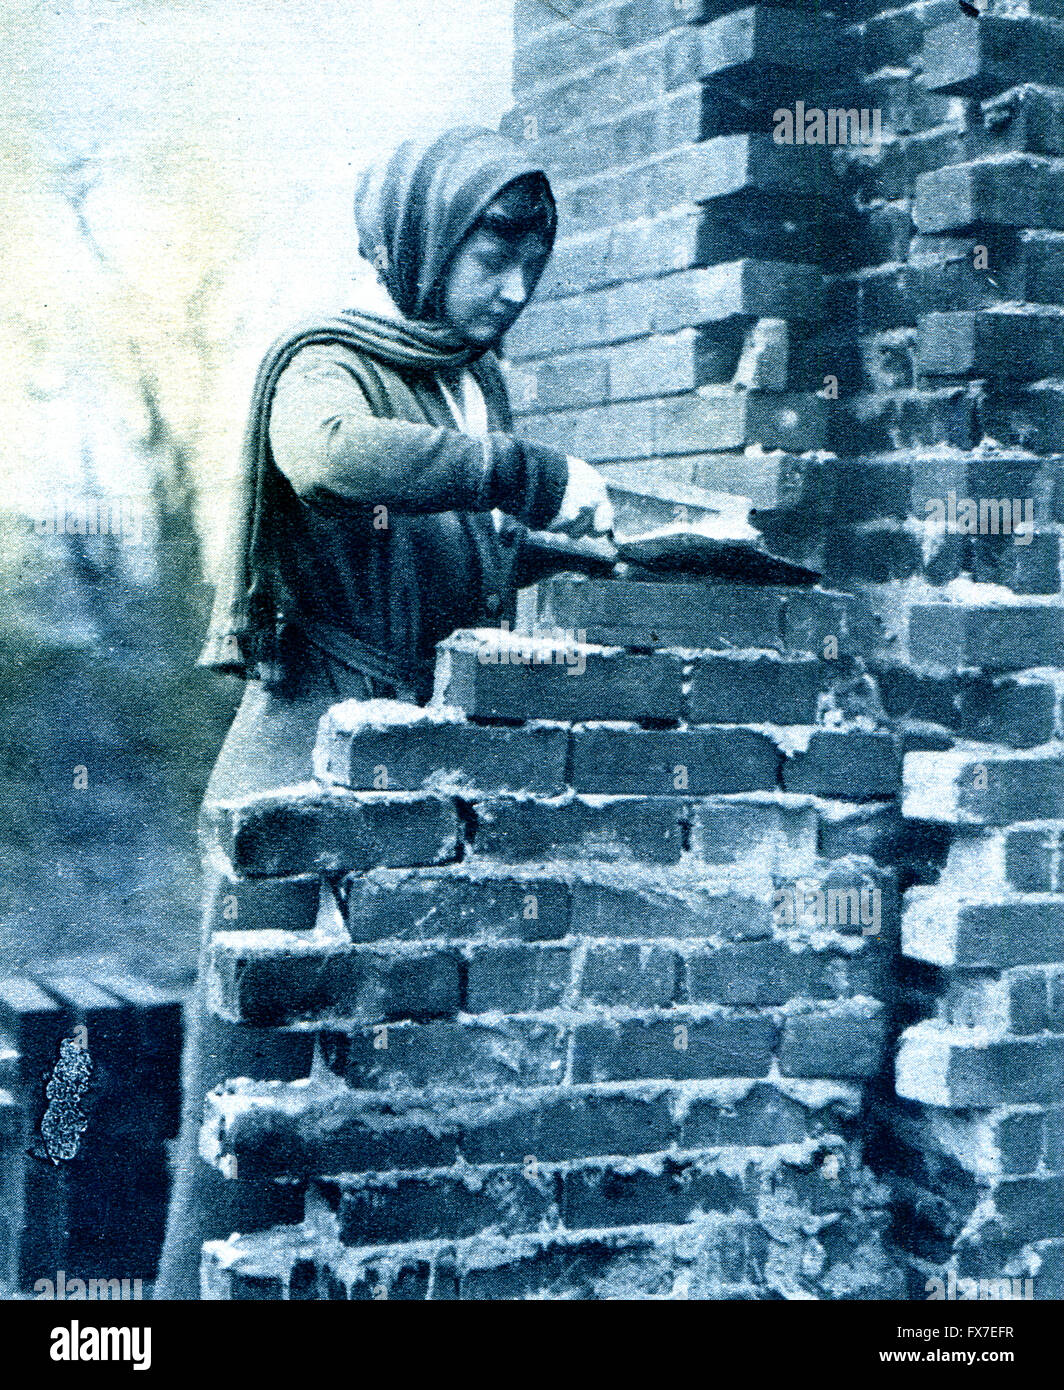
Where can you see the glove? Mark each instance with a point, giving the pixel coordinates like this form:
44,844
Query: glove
586,509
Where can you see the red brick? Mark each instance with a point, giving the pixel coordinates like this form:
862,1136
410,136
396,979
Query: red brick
852,764
949,787
780,835
274,978
771,972
744,689
999,932
386,1209
714,1044
637,976
647,613
611,685
1016,191
305,829
402,747
974,60
516,978
655,762
468,901
953,1068
640,829
844,1039
507,1052
668,904
1024,345
999,637
263,904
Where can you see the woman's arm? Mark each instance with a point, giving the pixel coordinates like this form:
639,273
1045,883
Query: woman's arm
327,442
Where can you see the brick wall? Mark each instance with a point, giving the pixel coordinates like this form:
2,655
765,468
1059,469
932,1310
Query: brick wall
919,364
553,1030
576,1032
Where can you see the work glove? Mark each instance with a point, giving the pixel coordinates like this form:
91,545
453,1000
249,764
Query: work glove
586,509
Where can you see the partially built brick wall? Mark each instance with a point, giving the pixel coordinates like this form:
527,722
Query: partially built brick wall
552,1031
572,1038
918,366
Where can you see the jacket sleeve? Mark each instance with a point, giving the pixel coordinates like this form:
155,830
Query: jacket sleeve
328,443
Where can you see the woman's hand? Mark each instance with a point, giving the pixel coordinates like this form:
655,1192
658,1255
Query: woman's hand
586,509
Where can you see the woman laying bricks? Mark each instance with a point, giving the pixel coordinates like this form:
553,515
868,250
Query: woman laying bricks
384,504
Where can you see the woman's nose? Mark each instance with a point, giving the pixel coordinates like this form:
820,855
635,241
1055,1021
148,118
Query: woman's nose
512,287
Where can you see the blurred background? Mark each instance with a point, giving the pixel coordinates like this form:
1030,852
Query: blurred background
176,187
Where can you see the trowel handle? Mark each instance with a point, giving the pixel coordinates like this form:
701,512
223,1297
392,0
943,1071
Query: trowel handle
588,555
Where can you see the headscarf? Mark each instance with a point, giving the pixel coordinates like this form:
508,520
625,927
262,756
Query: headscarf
412,211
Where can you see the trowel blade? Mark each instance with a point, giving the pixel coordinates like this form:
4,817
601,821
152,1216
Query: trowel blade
692,550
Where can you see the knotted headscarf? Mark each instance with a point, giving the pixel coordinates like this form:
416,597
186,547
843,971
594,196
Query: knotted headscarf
412,210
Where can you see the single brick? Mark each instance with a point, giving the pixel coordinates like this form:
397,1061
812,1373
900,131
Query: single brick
770,972
666,1191
594,684
998,637
274,978
516,978
762,1115
1032,860
655,906
636,976
681,1046
1012,191
386,1209
763,36
1031,1206
1028,1001
974,60
640,829
994,933
383,744
654,762
306,829
651,614
961,787
263,904
467,901
1024,346
745,689
851,764
947,1067
1020,1135
474,1053
781,835
845,1039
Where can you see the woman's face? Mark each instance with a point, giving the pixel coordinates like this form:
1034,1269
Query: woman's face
490,279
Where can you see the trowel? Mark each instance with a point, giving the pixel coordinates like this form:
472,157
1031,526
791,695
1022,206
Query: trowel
705,550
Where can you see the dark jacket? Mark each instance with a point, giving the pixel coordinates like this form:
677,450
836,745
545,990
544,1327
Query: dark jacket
384,528
361,505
